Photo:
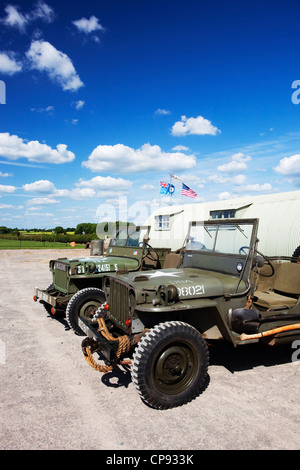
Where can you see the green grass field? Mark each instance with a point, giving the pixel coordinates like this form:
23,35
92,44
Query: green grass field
6,244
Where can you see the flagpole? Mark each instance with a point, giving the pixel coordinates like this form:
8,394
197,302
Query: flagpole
159,202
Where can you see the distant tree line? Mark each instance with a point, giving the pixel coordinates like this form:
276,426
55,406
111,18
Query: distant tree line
82,233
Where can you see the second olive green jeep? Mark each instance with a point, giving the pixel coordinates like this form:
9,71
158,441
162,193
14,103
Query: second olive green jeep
76,289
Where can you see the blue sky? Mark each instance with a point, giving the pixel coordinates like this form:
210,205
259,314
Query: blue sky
105,99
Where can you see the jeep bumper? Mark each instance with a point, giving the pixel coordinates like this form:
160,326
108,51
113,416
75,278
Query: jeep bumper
43,296
96,339
55,299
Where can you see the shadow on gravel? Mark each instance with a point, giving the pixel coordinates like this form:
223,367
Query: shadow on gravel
60,318
221,354
119,377
249,356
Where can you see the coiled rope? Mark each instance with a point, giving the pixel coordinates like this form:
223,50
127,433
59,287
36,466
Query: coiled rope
124,346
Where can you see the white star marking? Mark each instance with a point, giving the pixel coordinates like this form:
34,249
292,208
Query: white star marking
161,274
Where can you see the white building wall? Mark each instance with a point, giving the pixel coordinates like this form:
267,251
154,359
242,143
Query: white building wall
278,214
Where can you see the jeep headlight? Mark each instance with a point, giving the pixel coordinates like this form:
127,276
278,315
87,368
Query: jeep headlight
165,294
172,293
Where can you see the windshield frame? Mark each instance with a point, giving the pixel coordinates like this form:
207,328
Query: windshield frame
214,229
129,240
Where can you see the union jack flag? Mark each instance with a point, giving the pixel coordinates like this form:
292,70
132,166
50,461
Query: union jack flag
186,191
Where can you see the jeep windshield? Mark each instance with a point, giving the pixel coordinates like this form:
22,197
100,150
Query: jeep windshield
226,246
230,238
130,236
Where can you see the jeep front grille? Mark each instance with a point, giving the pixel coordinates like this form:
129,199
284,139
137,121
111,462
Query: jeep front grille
119,302
60,279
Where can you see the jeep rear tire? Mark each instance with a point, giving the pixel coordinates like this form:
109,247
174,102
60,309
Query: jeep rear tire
169,365
83,304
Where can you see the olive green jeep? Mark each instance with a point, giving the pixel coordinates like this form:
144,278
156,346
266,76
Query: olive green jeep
76,288
160,322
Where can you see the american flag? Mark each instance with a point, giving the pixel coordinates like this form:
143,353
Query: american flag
186,191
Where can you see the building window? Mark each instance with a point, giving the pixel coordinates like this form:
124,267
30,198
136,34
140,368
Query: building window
162,222
225,214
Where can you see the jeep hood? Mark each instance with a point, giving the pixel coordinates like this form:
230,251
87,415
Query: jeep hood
100,264
190,282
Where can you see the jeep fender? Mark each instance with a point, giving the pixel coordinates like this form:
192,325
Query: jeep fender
203,314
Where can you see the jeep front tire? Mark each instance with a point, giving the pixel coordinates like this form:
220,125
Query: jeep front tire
83,304
169,365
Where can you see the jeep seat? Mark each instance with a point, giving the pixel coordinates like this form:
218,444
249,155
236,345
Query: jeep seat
172,260
285,291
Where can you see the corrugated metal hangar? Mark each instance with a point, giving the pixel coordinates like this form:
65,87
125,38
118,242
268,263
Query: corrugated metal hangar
278,214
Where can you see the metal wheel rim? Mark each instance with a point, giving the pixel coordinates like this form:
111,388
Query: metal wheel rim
88,309
175,368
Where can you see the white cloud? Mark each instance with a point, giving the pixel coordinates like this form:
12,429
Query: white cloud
147,187
289,166
162,112
6,206
255,187
99,186
41,186
42,11
180,148
46,58
13,147
82,193
37,214
48,109
128,160
42,201
195,126
78,104
8,64
106,186
238,179
7,189
16,19
5,175
88,26
223,196
238,163
191,178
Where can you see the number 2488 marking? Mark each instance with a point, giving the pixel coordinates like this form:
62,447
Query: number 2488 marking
191,290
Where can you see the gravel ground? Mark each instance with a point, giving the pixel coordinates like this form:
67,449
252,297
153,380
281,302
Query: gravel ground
52,399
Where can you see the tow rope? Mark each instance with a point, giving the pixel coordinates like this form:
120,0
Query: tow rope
124,346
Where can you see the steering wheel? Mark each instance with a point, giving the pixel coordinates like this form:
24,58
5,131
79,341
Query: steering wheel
149,253
242,250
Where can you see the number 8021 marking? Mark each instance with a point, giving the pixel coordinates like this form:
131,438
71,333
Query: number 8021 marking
191,290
